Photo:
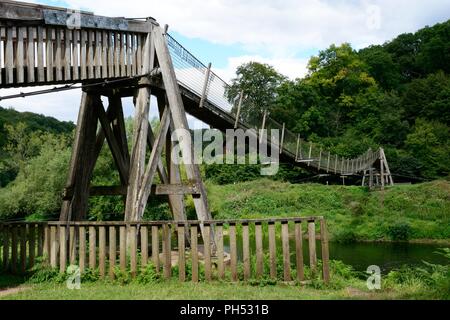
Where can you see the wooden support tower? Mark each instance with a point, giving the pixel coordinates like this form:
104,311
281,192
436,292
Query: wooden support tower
137,174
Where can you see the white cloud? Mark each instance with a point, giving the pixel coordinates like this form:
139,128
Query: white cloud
279,25
290,66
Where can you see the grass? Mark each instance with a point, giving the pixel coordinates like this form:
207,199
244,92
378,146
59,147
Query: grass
173,290
405,212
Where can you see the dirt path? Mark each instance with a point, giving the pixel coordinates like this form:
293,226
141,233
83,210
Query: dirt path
9,291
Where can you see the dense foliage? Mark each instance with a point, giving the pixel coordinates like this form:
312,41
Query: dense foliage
395,95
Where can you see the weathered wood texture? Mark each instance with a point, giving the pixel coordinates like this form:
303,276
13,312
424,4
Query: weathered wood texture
239,243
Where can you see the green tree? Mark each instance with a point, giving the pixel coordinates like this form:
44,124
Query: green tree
258,82
430,144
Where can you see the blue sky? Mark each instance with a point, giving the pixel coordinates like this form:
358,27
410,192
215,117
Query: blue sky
283,33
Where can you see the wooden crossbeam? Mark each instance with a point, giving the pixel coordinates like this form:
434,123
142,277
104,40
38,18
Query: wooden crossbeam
116,150
158,190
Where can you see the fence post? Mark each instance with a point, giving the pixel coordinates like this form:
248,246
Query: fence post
325,252
299,251
205,86
220,260
312,245
286,253
261,136
282,138
238,114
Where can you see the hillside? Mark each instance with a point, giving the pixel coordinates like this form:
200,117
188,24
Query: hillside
22,135
404,212
33,121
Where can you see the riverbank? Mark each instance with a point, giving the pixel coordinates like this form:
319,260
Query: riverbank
418,213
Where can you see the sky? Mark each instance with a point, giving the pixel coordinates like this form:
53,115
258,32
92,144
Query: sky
227,33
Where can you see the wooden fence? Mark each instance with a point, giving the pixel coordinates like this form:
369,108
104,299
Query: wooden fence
242,249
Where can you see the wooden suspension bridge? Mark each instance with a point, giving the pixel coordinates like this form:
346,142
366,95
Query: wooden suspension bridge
118,58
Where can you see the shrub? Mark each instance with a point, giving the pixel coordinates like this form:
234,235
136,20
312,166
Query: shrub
399,232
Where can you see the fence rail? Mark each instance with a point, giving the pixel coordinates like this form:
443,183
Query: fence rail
243,249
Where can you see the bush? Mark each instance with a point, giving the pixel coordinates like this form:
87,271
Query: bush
345,236
400,232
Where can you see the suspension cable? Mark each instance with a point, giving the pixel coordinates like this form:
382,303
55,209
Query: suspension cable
73,87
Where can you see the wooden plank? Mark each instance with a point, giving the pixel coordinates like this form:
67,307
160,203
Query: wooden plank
83,54
9,56
20,54
286,253
117,41
49,54
90,54
133,251
112,251
220,252
98,54
54,248
82,249
40,240
63,249
272,251
47,244
58,55
23,247
259,250
129,58
194,253
205,86
246,251
299,251
104,63
123,52
312,245
144,246
238,113
181,254
155,247
233,253
123,249
110,54
167,253
207,251
14,249
6,235
40,54
72,245
92,248
67,55
31,245
102,251
75,53
139,41
325,251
